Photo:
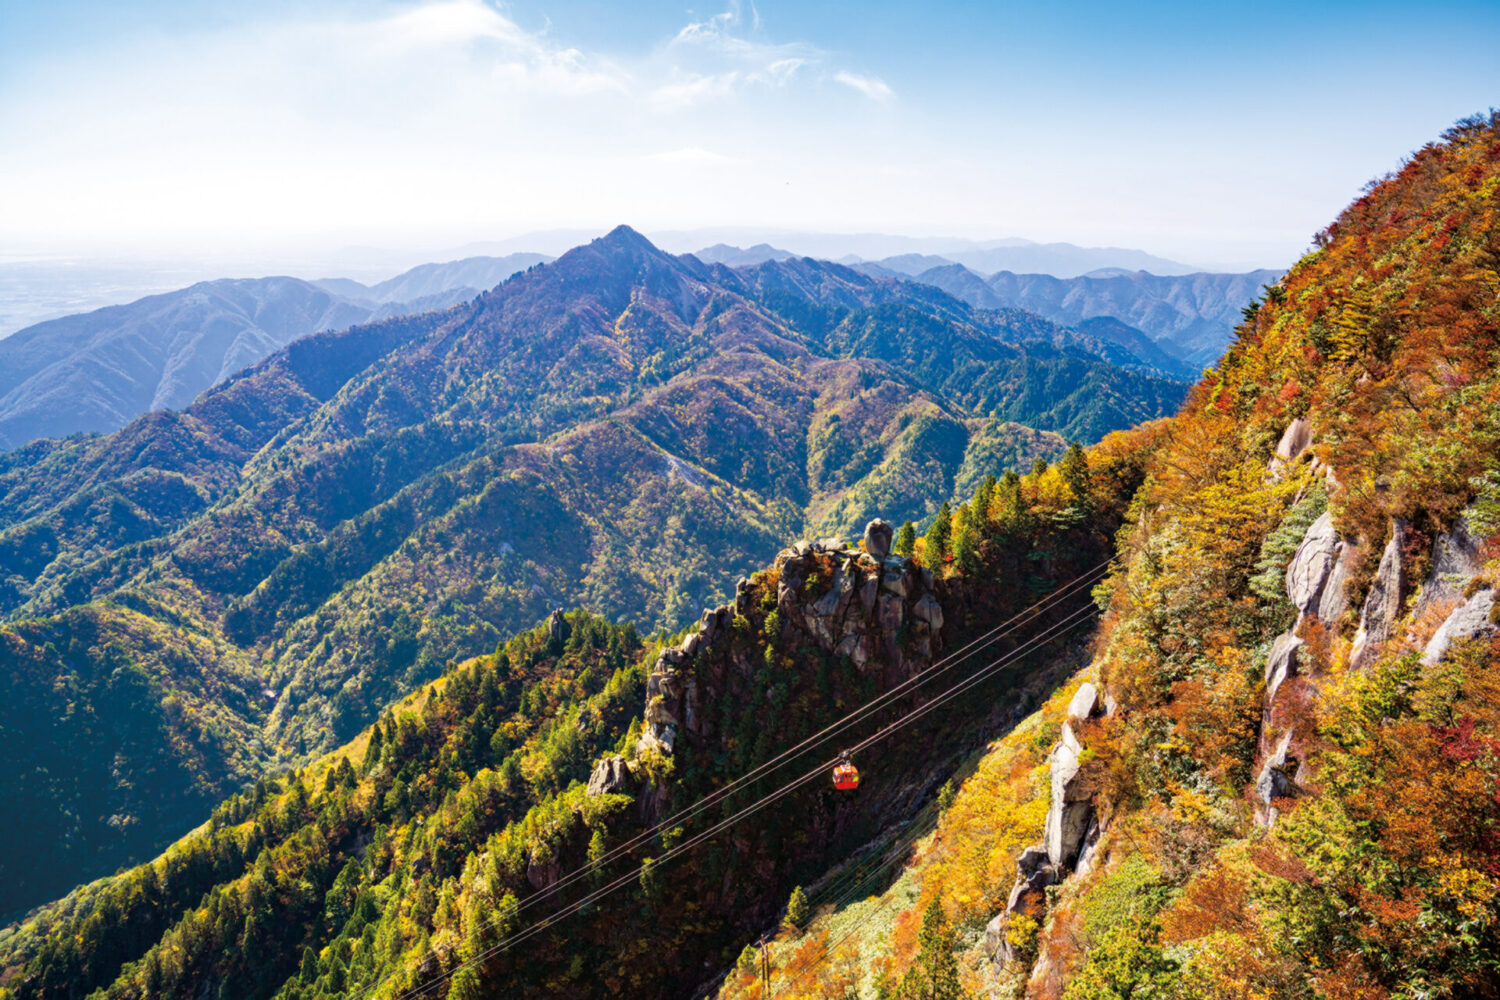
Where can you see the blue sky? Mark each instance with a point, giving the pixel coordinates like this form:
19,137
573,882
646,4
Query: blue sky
1222,134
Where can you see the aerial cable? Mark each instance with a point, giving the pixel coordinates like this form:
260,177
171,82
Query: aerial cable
1067,624
933,670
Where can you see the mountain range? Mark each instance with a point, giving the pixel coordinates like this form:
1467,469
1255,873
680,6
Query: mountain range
94,372
97,371
249,580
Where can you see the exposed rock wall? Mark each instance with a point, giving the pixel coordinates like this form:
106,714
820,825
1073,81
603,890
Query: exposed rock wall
882,613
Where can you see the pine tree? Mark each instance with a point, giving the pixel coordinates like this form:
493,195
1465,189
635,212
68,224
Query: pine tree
984,499
1074,468
934,974
965,541
597,850
373,748
798,912
906,540
940,536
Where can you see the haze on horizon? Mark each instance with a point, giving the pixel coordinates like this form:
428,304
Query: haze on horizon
174,127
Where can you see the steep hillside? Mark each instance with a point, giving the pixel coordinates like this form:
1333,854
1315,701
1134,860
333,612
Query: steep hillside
463,816
1280,775
620,429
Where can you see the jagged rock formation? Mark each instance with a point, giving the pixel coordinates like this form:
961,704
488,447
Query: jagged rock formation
882,613
1071,832
1474,617
610,776
1383,602
1315,577
1455,561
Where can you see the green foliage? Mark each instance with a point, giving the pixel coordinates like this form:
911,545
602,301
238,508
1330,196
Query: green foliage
906,539
798,910
934,974
940,536
1269,580
1129,963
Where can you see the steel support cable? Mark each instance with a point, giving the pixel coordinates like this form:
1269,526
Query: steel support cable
941,666
1054,631
937,668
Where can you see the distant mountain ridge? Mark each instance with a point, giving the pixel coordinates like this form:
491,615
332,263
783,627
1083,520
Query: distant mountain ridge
1190,317
97,371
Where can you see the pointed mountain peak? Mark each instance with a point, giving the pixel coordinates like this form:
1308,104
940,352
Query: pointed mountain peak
625,238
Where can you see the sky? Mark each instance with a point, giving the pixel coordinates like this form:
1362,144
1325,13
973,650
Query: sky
1218,134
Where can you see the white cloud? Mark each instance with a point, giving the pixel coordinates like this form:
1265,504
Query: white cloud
873,88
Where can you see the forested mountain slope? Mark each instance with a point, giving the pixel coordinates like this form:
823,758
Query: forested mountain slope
1276,772
400,861
619,429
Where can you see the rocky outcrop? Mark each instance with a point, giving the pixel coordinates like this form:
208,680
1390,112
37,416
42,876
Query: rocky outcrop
1295,439
557,626
1455,561
610,777
1314,580
1072,829
1277,779
881,613
1072,797
1383,603
1281,664
1028,897
1475,617
878,535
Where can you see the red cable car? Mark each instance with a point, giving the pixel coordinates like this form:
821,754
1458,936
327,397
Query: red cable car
845,774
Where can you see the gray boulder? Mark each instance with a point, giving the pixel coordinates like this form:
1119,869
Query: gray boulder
1383,603
1334,602
557,626
1072,802
1295,439
878,535
1281,663
1472,618
1084,704
1455,561
610,777
1277,778
1316,557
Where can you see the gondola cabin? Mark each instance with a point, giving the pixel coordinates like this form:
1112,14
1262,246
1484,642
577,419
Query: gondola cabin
846,777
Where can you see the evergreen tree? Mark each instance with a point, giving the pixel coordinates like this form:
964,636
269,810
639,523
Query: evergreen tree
309,971
984,499
906,540
966,541
597,850
373,748
798,912
934,974
1074,468
940,536
466,985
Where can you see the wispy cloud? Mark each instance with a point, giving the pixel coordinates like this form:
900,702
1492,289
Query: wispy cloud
722,55
872,87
